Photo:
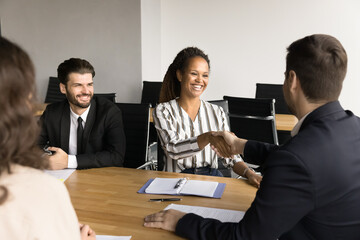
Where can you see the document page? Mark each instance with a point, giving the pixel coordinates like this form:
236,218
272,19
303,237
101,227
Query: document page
222,215
199,188
107,237
61,174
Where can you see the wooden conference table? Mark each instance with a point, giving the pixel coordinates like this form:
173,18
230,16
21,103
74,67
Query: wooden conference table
107,200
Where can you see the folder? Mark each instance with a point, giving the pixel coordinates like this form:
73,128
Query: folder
167,186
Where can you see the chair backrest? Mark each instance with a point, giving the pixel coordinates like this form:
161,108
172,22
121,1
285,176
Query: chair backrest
136,127
225,106
275,91
53,93
151,92
110,96
253,118
221,103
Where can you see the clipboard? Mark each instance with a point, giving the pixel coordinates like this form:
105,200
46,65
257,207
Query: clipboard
216,194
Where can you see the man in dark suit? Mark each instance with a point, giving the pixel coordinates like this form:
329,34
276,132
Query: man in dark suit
83,131
310,188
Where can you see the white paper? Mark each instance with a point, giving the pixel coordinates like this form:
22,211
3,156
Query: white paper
107,237
61,174
222,215
199,188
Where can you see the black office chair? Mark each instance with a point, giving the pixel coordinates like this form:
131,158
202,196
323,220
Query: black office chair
53,93
109,96
136,128
275,91
151,92
224,104
253,118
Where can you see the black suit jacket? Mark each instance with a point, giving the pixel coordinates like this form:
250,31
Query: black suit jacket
310,188
103,139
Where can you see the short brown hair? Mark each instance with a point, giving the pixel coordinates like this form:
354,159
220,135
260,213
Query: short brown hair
74,65
171,86
320,62
18,127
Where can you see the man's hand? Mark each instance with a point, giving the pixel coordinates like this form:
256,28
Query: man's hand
221,145
167,219
236,144
59,160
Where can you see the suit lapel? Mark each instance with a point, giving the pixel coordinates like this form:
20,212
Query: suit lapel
90,120
65,127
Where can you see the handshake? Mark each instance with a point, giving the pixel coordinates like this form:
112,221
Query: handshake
226,144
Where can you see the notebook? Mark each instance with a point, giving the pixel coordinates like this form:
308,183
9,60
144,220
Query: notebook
183,186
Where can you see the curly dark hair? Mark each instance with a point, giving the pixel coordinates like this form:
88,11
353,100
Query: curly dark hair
18,127
171,86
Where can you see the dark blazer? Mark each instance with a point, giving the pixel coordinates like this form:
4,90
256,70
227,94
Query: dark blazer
103,140
310,188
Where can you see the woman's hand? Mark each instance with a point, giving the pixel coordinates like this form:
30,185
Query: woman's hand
86,232
254,179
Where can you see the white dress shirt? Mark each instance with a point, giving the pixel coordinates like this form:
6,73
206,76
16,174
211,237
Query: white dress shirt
72,161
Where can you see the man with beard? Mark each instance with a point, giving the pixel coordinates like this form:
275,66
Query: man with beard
82,131
309,188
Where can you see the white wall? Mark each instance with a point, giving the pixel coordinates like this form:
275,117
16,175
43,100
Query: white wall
106,33
151,40
246,40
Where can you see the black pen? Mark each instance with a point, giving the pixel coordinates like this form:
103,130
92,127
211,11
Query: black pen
164,199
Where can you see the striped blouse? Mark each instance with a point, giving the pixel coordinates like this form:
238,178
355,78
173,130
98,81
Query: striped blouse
178,135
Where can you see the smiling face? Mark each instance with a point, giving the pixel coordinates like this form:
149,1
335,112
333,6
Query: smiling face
194,79
79,91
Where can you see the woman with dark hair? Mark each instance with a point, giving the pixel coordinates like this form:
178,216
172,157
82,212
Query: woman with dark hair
33,205
185,122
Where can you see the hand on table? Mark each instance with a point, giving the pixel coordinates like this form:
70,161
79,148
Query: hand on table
58,160
166,219
254,179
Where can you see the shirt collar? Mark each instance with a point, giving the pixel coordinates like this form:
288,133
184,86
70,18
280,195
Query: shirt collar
83,116
297,127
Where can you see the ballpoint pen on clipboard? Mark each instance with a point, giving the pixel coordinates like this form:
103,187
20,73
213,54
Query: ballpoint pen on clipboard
180,182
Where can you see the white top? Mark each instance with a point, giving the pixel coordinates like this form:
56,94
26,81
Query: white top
38,207
72,161
178,135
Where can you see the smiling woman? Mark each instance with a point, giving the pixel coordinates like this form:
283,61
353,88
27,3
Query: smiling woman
185,122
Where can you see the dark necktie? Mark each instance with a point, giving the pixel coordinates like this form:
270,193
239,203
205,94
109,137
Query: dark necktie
80,131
